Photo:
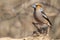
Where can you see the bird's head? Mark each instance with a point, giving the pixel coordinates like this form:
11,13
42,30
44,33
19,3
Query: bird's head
37,6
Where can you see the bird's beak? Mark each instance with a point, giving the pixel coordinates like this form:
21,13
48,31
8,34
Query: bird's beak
34,6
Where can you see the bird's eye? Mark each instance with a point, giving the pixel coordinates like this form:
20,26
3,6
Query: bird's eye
36,5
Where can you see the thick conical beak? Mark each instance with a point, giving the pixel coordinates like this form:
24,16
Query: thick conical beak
34,6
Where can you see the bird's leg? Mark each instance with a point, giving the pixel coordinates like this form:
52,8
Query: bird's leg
40,30
35,25
48,31
35,33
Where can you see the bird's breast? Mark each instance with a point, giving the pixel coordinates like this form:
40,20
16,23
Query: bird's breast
38,17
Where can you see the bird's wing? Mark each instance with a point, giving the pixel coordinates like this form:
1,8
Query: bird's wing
45,16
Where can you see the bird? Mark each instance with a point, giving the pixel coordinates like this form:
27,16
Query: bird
40,16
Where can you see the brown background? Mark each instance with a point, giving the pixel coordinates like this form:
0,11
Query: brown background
16,17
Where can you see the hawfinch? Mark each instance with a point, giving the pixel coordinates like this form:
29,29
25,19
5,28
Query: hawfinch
40,16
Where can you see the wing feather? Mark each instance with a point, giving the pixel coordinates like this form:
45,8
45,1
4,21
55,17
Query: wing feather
45,16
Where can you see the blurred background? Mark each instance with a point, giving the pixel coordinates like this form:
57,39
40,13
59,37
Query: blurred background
16,17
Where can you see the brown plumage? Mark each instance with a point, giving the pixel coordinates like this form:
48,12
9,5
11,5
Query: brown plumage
41,17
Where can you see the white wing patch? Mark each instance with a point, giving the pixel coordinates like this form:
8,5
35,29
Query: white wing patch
44,15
